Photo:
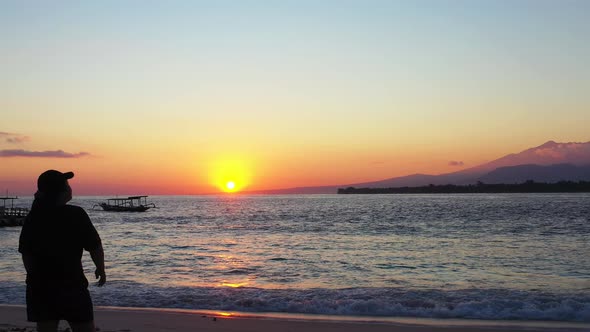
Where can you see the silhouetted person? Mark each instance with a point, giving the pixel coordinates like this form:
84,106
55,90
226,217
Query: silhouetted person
52,241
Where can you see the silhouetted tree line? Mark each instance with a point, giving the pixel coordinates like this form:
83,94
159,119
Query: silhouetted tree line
529,186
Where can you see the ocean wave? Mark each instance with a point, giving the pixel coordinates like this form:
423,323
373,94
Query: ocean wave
489,304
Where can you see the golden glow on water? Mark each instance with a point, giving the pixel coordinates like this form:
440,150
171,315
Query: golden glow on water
233,263
233,284
225,314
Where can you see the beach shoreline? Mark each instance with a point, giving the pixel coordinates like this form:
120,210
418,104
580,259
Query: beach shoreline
158,319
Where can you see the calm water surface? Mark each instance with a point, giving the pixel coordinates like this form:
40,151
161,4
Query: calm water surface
509,256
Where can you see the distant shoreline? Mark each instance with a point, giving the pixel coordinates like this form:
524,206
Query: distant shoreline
479,188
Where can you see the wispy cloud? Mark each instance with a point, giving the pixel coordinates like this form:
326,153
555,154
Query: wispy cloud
456,163
18,139
41,154
14,138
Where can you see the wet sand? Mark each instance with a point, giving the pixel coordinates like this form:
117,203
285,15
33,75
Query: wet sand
111,319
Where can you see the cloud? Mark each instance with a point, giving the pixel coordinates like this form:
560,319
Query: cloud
41,154
14,138
18,139
456,163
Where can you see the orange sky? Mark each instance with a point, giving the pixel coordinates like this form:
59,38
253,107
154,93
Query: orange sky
182,99
117,170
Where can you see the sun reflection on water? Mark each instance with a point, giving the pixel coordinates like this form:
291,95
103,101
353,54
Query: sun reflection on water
233,284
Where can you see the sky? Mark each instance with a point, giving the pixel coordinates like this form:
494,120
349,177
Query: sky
182,97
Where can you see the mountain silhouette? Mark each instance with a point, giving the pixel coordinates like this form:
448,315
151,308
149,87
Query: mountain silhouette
537,173
550,153
549,162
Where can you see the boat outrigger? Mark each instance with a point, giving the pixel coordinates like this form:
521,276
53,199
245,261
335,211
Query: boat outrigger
129,204
10,215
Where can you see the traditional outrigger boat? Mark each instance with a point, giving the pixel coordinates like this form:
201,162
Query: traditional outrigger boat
129,204
10,215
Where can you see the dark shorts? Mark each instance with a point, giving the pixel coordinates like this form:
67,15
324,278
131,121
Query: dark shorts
71,304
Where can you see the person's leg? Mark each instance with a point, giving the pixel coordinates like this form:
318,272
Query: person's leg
47,326
78,310
82,326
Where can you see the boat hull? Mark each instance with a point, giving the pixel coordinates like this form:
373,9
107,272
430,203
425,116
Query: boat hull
7,221
111,208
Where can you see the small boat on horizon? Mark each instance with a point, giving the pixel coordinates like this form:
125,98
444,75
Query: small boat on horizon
129,204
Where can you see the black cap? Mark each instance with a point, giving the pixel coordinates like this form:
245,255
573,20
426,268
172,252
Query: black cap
53,181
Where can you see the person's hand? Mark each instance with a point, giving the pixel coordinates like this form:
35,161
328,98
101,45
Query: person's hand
101,276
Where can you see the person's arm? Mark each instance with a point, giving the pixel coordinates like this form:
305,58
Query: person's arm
98,259
91,242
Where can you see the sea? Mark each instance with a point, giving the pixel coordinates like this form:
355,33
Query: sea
470,256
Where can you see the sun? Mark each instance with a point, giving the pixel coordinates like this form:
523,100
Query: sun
230,175
230,185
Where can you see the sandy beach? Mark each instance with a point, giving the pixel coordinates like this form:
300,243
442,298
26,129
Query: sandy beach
111,319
